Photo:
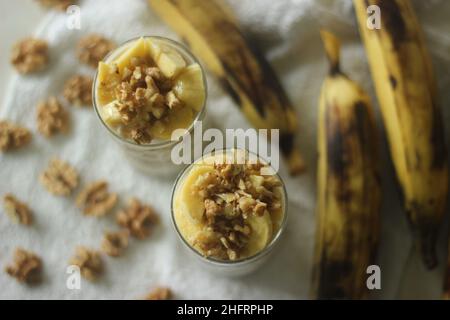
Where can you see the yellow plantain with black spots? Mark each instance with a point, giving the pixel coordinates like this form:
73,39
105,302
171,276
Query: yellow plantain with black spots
212,33
348,186
407,93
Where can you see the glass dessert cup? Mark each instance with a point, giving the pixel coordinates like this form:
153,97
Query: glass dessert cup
143,91
190,227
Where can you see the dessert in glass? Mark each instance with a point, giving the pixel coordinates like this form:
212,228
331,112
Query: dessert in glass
143,91
228,214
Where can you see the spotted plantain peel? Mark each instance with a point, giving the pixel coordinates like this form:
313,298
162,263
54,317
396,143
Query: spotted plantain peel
212,33
348,186
407,94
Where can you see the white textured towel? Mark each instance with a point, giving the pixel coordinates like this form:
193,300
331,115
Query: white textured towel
288,33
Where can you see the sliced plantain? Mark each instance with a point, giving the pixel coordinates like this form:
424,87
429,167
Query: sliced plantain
154,49
108,79
177,119
170,62
189,87
138,50
261,234
194,204
111,115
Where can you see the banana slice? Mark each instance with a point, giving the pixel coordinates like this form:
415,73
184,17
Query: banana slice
137,50
177,119
108,79
189,87
154,49
110,114
170,62
193,204
261,234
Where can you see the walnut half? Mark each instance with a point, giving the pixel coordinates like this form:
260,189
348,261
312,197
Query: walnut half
89,262
93,48
52,118
78,90
57,4
96,200
16,210
13,136
114,243
30,55
160,293
26,267
139,219
60,178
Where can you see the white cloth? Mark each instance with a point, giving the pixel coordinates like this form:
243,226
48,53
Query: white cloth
288,33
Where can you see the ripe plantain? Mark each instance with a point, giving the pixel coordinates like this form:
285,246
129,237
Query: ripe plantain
212,33
407,93
348,186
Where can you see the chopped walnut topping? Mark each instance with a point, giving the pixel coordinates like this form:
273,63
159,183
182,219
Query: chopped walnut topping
96,200
115,242
89,261
17,210
172,100
144,97
30,55
60,178
52,118
26,267
93,48
231,194
140,135
160,293
78,90
139,219
13,136
57,4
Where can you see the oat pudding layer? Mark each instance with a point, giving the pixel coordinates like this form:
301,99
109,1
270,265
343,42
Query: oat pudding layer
148,89
228,211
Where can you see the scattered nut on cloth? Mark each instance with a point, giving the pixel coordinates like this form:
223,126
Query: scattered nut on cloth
287,31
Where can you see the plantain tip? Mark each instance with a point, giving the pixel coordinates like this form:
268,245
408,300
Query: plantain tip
427,247
332,48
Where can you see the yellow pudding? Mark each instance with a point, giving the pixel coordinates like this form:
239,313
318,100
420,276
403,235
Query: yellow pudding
228,210
147,89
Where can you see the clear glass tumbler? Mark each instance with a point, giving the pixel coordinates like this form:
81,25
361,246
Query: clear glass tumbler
228,268
153,158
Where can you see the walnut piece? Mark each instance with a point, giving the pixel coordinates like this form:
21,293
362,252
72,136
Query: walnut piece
17,210
29,55
26,267
60,178
89,261
95,200
114,243
232,193
93,48
139,219
13,136
57,4
78,90
160,293
52,118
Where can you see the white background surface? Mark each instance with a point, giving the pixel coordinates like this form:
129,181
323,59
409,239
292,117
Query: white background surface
283,28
